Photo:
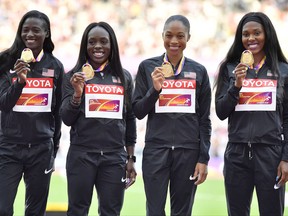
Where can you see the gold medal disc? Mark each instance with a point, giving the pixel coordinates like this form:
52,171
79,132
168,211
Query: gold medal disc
167,70
27,55
247,57
88,71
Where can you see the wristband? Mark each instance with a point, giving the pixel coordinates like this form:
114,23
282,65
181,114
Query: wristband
132,157
75,103
76,97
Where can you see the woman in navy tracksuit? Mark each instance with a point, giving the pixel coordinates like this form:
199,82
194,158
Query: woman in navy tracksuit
103,127
254,99
30,99
178,129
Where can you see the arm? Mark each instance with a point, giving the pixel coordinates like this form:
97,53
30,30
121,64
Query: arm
56,111
130,134
145,94
9,94
204,101
70,111
201,170
285,122
227,97
282,170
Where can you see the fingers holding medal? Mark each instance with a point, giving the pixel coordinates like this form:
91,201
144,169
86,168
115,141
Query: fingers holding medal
167,70
240,71
88,71
22,67
77,77
157,78
246,61
247,58
27,55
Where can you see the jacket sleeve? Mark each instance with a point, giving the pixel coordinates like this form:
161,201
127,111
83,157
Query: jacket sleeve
285,121
9,93
145,96
56,112
130,117
68,112
204,118
227,98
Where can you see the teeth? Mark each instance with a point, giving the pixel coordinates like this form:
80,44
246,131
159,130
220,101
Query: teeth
98,54
253,45
173,48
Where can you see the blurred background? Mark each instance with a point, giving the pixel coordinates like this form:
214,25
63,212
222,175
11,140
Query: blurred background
138,26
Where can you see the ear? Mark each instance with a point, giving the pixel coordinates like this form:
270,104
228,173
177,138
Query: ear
163,35
47,34
188,37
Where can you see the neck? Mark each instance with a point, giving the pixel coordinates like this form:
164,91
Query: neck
174,60
258,58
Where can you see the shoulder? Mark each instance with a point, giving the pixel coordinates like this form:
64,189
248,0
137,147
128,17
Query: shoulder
194,65
156,59
55,60
127,75
283,66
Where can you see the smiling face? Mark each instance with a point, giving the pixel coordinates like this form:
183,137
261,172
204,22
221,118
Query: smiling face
175,37
253,38
98,46
33,34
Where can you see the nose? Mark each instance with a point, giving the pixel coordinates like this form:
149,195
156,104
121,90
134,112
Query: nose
251,37
174,40
97,44
30,33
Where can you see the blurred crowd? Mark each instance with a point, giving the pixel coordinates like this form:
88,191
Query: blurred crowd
138,26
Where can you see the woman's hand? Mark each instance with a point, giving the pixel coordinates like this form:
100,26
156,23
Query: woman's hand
240,73
130,173
157,78
21,68
78,82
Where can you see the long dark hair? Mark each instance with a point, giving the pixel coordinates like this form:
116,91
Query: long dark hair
9,56
272,47
114,57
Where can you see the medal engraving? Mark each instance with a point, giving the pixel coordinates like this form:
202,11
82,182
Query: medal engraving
88,71
27,55
167,70
247,58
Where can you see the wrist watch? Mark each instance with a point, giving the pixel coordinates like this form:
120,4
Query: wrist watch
132,157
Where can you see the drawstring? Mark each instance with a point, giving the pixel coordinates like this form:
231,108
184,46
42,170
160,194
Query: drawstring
250,151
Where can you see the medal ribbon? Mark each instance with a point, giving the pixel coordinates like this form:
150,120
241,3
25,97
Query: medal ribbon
102,67
39,57
259,65
180,66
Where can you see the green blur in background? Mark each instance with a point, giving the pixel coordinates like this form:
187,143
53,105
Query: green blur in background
209,200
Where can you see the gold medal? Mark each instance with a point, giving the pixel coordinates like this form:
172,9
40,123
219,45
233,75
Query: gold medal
247,57
27,55
88,71
167,69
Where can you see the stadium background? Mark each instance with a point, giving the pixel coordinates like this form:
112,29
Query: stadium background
138,25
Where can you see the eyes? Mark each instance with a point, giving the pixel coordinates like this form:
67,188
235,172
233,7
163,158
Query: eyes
35,30
178,36
102,41
246,34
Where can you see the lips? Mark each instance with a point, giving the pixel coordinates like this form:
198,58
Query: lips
30,42
252,46
174,48
98,54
